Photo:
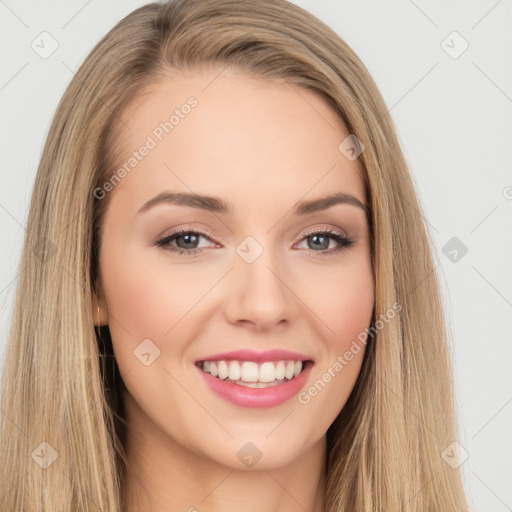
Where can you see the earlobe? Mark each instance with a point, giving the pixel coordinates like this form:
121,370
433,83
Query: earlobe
100,316
99,311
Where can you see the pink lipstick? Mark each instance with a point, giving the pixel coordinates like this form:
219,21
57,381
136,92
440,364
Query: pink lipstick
253,379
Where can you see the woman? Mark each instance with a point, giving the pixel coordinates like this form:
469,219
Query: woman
294,356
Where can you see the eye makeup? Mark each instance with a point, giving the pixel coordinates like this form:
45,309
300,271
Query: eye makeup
326,233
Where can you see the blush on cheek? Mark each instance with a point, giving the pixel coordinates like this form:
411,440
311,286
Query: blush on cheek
133,306
355,316
345,305
134,290
148,300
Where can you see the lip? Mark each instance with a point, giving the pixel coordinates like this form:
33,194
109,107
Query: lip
257,357
257,397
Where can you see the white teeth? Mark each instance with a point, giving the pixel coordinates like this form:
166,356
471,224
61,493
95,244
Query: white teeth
280,370
259,384
250,374
223,369
267,372
235,371
289,371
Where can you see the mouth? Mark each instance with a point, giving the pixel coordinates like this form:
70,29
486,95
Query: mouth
255,379
254,374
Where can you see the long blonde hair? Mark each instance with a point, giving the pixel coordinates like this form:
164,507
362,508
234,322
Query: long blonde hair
61,387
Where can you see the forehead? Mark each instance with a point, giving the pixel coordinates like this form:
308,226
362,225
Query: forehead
224,132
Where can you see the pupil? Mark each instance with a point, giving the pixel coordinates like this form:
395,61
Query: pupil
187,239
323,245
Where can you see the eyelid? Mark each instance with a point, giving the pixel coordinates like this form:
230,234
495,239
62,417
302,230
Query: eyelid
324,229
210,236
187,229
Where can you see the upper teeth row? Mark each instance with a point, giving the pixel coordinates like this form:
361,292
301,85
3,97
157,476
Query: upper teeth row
249,371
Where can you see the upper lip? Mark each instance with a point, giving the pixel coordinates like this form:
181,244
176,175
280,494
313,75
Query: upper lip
257,357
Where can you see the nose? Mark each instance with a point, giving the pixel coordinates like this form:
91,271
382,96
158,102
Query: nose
260,294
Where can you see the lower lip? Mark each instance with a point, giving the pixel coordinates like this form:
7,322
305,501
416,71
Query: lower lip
257,397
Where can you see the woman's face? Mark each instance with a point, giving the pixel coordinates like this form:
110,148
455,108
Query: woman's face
261,275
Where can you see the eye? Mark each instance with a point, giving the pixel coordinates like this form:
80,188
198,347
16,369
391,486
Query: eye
321,239
186,242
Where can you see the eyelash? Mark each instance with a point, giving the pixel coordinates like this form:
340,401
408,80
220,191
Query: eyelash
343,240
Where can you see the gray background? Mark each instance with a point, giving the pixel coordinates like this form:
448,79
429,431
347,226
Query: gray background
452,114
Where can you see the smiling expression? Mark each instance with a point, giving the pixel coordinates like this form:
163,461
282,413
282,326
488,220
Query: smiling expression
221,239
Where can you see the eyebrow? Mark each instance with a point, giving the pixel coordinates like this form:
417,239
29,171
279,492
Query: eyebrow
217,205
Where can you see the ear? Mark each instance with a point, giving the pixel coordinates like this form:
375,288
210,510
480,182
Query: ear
99,307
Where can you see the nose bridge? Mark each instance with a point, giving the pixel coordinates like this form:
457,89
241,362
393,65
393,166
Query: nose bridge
259,290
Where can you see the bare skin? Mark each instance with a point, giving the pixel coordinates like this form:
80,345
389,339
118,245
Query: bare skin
261,147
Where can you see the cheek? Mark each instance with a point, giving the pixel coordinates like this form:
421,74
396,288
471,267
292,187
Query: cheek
146,299
352,306
343,305
342,299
